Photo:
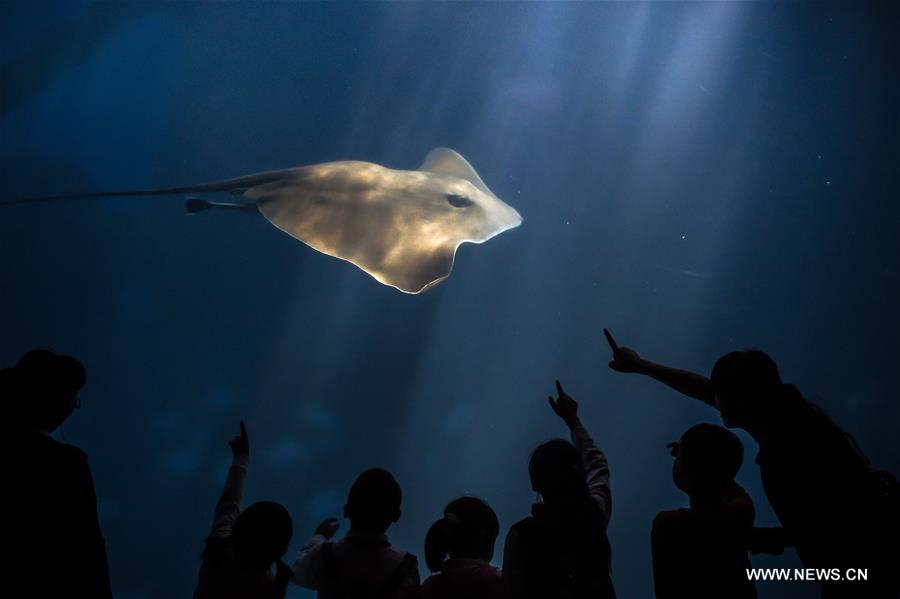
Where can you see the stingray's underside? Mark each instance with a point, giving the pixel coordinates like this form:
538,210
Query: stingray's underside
393,252
402,237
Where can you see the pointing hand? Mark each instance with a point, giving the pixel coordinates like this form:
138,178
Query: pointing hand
564,406
624,359
240,445
328,527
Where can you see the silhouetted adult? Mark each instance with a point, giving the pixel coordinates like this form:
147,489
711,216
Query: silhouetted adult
363,564
561,551
701,551
834,508
459,548
52,537
242,558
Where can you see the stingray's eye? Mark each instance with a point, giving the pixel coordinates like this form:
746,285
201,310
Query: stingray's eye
458,201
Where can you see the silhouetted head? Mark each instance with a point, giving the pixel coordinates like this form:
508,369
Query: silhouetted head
42,389
556,472
262,533
707,458
468,529
373,503
745,383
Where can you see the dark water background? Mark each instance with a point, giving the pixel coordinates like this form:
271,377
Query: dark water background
698,177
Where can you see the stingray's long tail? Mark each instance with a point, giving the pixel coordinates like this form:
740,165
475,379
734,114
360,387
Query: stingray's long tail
106,194
234,186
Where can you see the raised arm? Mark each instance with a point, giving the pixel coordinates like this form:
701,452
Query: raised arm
308,564
596,467
228,507
686,382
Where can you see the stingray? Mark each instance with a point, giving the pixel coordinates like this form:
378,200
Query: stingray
401,227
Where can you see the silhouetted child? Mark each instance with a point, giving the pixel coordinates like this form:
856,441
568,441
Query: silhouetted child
52,535
363,563
242,559
701,552
837,511
459,548
561,550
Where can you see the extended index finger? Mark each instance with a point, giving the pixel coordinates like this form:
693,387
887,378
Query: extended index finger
243,430
610,340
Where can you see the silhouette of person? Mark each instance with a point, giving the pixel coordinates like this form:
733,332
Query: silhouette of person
363,563
561,550
833,507
459,548
701,551
54,543
242,558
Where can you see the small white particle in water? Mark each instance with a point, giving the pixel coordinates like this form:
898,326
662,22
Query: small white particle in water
684,236
567,222
827,181
820,157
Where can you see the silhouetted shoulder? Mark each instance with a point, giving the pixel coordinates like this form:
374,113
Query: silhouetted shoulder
43,443
524,527
464,578
71,453
671,521
39,447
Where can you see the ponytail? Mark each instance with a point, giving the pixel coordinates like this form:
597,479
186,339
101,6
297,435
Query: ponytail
439,540
468,522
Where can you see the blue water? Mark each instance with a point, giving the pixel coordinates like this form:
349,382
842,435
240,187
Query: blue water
697,177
